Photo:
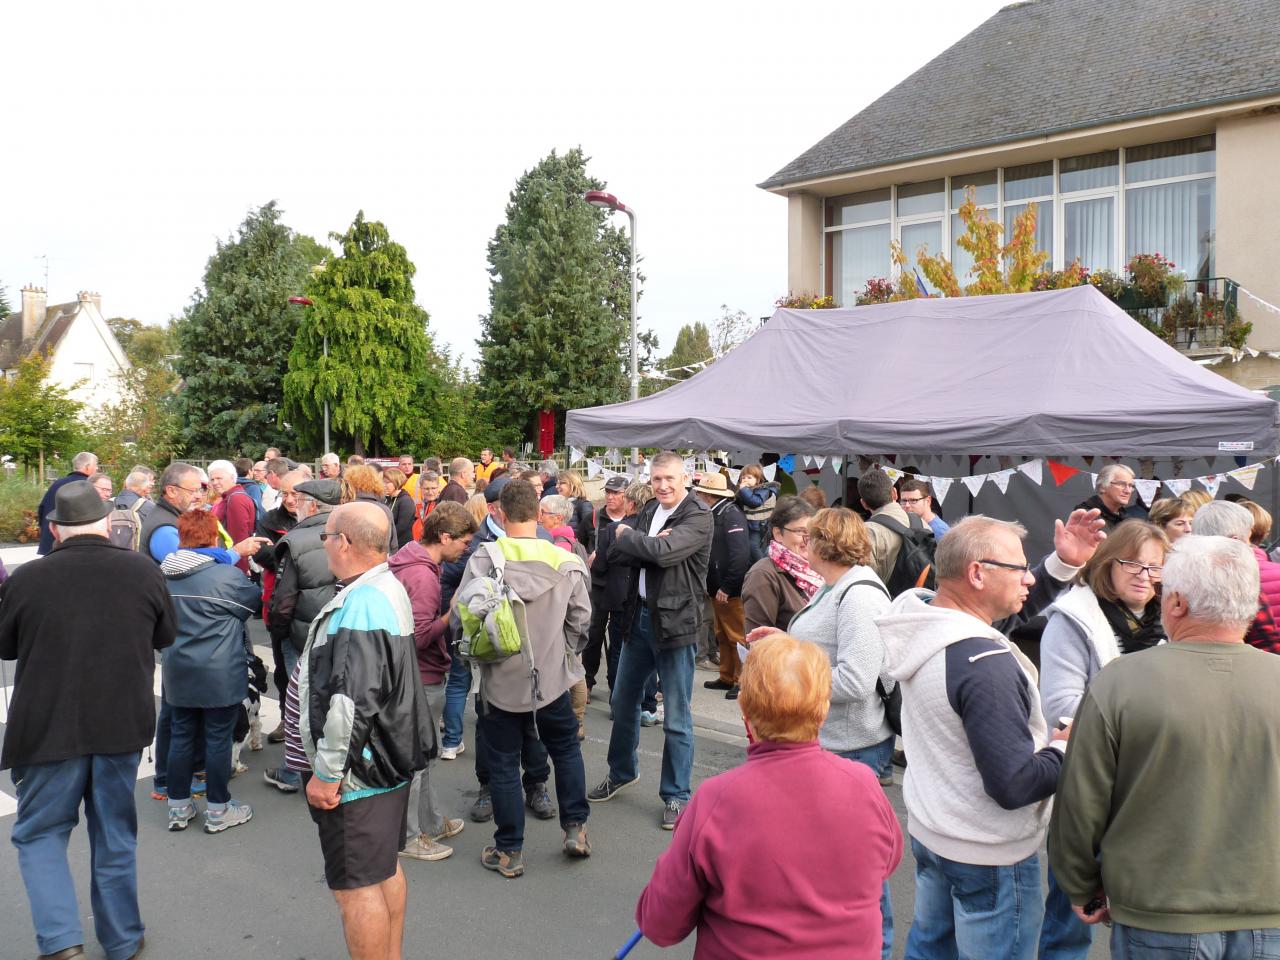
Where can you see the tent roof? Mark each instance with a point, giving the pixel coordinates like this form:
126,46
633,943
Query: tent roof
1057,373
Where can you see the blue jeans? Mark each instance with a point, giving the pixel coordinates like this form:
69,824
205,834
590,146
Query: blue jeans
505,734
879,758
640,657
164,729
456,688
219,726
49,798
533,755
969,912
1131,943
1064,936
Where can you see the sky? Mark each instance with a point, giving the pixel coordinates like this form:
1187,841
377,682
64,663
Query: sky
140,134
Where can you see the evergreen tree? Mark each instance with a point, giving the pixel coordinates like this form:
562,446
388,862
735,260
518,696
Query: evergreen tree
5,309
557,333
379,350
234,338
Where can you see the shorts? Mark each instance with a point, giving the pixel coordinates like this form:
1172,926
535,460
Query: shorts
361,839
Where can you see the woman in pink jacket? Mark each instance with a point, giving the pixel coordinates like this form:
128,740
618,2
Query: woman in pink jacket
812,890
1268,569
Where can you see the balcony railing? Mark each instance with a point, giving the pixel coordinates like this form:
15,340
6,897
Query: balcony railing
1200,314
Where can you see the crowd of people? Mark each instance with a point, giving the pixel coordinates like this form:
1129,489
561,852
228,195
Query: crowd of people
852,637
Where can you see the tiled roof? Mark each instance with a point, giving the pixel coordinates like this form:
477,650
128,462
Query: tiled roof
57,321
1046,66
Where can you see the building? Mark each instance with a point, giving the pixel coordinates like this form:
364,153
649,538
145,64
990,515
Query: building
84,355
1136,126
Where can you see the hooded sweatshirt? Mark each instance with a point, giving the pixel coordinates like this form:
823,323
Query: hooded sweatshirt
553,585
982,771
420,577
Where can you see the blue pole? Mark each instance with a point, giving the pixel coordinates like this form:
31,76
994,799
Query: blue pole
629,945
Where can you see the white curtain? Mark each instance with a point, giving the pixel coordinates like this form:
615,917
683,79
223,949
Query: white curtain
858,255
1090,233
1175,220
1044,226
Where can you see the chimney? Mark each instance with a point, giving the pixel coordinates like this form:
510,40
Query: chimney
94,297
33,311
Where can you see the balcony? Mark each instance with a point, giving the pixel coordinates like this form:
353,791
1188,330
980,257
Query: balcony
1199,317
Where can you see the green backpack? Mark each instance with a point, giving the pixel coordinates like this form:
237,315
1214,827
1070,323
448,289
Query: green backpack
491,616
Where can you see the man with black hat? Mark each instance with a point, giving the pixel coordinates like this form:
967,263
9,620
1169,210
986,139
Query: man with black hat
81,714
615,509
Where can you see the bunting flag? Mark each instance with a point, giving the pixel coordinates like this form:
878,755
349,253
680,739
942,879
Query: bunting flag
808,460
1001,479
820,461
1211,483
1093,480
974,459
941,485
690,466
1061,472
1147,490
1033,470
612,456
593,469
837,463
770,472
1179,486
574,455
974,483
1246,476
893,472
734,475
787,464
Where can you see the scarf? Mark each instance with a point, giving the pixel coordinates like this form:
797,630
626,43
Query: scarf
1134,633
796,568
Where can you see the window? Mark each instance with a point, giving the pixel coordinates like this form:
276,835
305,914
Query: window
915,199
1169,206
986,196
84,371
856,256
1174,158
1089,172
1029,181
865,207
1089,232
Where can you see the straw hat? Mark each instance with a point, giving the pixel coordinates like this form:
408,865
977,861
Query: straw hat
713,484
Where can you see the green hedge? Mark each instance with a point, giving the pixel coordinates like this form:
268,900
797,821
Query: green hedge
15,497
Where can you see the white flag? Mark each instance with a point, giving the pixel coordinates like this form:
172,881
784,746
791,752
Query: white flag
593,469
1246,476
1178,486
690,465
611,455
770,472
974,483
1147,490
940,486
1001,479
808,460
1093,480
894,473
1033,470
820,461
837,463
1211,483
734,474
574,455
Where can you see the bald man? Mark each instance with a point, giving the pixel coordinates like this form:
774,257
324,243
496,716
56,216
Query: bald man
360,664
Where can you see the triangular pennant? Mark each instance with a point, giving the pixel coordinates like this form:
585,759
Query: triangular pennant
734,475
1061,472
1211,483
1147,490
612,456
940,486
808,460
788,463
973,460
974,483
690,466
1001,479
820,461
770,472
574,455
1178,486
837,463
893,472
593,469
1246,476
1093,480
1033,470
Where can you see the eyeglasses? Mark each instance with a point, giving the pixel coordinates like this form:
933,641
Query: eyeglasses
188,489
326,535
906,502
1022,568
1121,484
1136,569
801,532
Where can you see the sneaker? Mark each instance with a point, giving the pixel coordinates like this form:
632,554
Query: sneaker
576,843
648,719
538,800
732,693
286,781
717,684
607,789
509,865
670,813
482,809
661,713
451,753
886,779
451,829
198,789
899,759
705,663
276,735
159,793
181,815
231,815
423,847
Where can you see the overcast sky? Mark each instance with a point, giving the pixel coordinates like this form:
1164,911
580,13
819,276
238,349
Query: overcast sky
140,133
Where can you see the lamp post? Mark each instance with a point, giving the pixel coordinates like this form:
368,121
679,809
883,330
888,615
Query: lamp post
308,302
607,201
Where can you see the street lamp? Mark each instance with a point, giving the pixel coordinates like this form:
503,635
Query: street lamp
308,302
607,201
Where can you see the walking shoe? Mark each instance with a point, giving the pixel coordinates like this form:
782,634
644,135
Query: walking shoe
142,945
538,800
706,663
661,713
508,864
732,693
286,781
276,735
717,684
886,778
65,954
231,815
648,719
181,814
423,847
576,843
607,789
198,788
451,829
159,793
482,809
669,814
451,753
899,759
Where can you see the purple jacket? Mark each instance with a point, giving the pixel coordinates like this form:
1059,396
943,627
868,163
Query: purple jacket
420,577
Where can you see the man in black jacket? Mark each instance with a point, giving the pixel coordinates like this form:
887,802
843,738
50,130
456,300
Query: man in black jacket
84,465
606,611
730,558
671,545
81,714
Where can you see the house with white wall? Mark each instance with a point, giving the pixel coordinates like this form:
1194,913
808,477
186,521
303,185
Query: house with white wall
84,355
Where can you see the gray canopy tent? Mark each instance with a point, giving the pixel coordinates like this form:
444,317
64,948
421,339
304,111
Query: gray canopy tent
1059,373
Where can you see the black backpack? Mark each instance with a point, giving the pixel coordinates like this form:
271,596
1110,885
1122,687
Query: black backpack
892,699
914,566
126,524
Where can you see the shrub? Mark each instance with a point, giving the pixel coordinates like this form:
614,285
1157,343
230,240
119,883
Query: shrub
17,496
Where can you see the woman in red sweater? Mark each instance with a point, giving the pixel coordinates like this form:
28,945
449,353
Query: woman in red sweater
812,890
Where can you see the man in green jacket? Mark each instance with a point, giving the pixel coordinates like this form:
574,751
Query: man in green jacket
1165,819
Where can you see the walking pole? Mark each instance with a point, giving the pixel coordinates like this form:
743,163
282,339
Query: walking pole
629,945
4,682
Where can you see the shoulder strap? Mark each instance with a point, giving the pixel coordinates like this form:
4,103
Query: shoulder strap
496,557
889,524
863,583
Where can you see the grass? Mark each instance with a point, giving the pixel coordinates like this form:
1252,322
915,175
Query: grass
15,497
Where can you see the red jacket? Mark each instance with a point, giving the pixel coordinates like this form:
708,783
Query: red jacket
420,577
1269,574
751,890
238,515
